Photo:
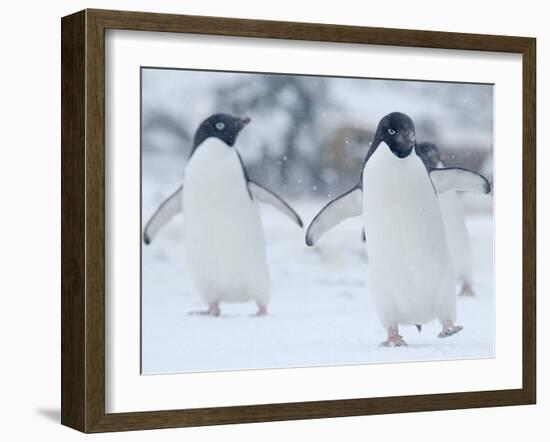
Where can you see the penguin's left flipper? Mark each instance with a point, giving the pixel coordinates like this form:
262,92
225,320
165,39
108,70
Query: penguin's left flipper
166,211
260,193
345,206
459,179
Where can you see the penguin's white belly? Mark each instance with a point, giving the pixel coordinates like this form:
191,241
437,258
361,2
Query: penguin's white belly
457,235
409,266
224,241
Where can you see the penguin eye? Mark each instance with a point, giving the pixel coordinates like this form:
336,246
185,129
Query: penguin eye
391,131
220,125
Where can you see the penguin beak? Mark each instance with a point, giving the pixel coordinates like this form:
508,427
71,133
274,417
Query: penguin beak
243,121
411,138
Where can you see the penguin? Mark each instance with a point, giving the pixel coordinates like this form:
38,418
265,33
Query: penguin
410,267
454,222
224,245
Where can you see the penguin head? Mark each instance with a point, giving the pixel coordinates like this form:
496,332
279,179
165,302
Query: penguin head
397,131
429,154
223,126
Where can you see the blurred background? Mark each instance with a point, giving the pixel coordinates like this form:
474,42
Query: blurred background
309,135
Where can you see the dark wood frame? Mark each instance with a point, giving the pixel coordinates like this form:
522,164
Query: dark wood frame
83,220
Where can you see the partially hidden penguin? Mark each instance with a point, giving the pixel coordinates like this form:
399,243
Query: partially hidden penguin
224,245
410,269
454,222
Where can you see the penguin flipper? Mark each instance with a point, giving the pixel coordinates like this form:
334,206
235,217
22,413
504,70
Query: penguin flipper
264,195
345,206
165,212
457,178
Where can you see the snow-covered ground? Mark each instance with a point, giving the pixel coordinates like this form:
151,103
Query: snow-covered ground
321,312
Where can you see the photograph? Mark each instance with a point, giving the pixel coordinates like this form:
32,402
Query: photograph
305,221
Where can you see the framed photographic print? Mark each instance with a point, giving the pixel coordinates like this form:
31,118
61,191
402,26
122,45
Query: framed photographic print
269,220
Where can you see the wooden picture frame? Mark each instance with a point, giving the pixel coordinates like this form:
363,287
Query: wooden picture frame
83,220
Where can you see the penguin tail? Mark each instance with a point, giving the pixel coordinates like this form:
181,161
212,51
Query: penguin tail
418,327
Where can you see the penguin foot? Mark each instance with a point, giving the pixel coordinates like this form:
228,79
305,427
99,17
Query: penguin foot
213,310
394,338
466,289
262,311
204,313
394,341
449,330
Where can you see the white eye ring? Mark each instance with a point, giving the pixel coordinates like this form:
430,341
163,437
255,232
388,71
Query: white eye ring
220,125
391,131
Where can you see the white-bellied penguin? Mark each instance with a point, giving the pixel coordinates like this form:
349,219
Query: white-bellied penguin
410,270
224,243
456,231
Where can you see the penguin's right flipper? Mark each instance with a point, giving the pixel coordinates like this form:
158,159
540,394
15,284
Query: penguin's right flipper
166,211
457,178
264,195
345,206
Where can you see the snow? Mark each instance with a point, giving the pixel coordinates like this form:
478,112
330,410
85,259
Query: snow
321,312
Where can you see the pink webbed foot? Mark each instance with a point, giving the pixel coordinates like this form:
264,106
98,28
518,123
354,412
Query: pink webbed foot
213,310
394,339
449,329
262,311
466,289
